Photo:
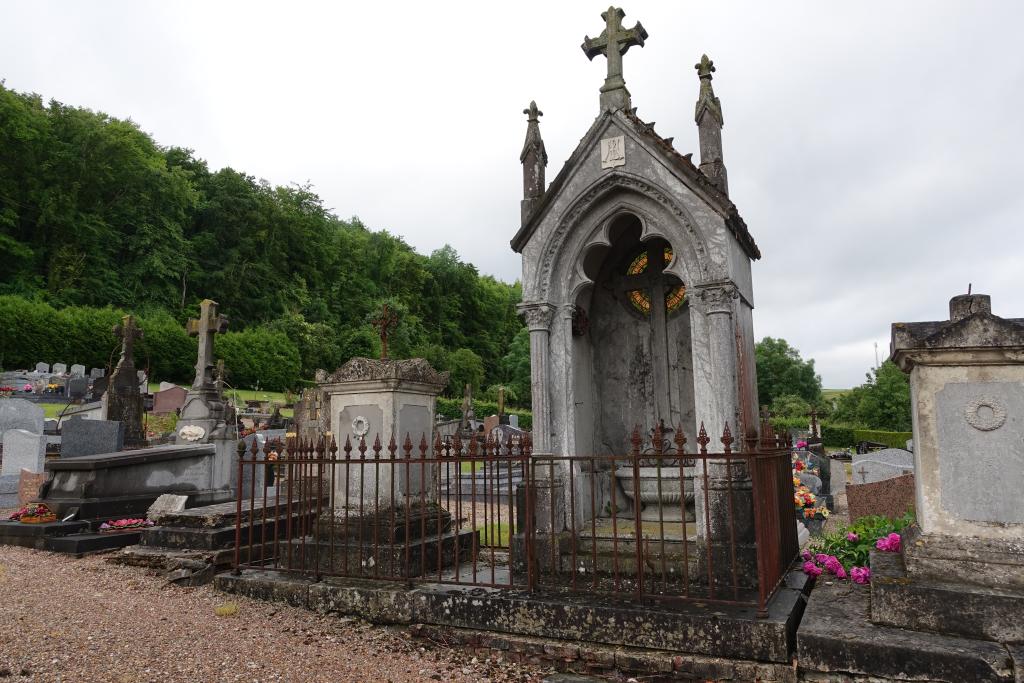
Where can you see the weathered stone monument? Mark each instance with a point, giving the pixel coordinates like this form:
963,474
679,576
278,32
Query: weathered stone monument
23,420
637,289
962,572
204,416
122,401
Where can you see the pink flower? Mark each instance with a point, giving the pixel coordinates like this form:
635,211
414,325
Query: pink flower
822,557
889,544
840,573
833,565
860,575
812,569
852,537
806,554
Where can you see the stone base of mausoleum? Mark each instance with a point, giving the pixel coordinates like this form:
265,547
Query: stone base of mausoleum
722,631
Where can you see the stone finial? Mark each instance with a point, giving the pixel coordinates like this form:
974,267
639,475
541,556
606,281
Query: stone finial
965,305
613,42
534,158
708,115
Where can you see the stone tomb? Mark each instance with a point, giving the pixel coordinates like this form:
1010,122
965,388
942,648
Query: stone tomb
887,463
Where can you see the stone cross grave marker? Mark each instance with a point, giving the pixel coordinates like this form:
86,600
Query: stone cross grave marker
205,327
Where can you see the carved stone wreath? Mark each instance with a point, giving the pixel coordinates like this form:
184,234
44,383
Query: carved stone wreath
985,420
192,433
360,426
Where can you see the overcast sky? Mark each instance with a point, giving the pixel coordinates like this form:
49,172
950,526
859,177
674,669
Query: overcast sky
875,149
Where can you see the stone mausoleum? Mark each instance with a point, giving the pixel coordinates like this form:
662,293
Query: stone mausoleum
636,276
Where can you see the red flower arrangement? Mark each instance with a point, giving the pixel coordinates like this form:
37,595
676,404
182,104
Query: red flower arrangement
34,513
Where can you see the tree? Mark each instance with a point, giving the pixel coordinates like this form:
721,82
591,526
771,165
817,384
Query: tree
466,367
882,402
781,371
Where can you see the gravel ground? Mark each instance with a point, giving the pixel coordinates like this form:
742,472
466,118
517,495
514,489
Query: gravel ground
83,620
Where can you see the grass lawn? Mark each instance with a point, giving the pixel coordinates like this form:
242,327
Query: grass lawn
831,394
495,534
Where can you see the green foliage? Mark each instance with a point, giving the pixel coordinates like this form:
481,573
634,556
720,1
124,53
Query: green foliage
791,406
515,368
868,530
451,408
94,213
465,367
882,402
166,349
890,439
258,357
837,436
781,371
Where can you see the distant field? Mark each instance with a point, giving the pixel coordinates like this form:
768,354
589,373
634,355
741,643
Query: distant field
830,394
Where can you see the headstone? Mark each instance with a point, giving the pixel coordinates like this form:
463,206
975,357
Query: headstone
164,386
77,370
910,445
884,464
50,426
123,401
60,369
99,387
43,368
490,422
168,400
166,504
513,420
17,413
91,437
23,450
811,481
77,387
28,486
890,497
96,373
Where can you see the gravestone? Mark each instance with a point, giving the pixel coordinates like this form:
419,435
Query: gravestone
880,465
890,497
23,450
168,400
77,387
77,370
43,368
122,401
99,387
811,481
166,504
164,386
17,413
91,437
60,369
96,373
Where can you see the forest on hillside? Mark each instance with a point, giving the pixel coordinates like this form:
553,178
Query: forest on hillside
98,219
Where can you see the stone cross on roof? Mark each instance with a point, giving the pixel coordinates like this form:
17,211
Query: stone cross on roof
613,42
208,324
384,322
128,331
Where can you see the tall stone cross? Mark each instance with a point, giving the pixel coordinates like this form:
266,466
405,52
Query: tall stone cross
208,324
656,284
128,331
613,42
385,322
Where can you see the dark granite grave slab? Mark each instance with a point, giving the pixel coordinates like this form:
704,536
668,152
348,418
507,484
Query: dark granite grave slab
77,544
36,535
837,642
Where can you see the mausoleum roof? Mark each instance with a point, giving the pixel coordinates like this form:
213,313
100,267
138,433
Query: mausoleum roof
680,163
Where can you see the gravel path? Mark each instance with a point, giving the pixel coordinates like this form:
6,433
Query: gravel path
83,620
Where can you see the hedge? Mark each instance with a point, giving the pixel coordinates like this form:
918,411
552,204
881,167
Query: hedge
890,439
837,436
451,408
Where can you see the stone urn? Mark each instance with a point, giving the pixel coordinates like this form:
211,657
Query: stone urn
670,496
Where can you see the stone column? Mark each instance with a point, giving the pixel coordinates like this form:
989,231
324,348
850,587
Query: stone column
729,500
538,316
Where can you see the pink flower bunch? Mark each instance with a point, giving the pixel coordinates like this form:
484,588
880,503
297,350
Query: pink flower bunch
852,537
815,565
801,444
117,524
861,575
889,544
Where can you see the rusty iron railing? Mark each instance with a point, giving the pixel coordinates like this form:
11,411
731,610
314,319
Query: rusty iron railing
663,522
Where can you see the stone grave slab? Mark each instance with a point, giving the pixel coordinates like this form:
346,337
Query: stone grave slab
23,450
82,437
43,368
879,465
17,413
164,386
166,504
78,370
77,387
60,368
890,497
168,400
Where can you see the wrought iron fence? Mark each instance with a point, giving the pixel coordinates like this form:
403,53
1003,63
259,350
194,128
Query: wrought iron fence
662,523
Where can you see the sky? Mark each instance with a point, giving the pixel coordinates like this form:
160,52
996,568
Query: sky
874,148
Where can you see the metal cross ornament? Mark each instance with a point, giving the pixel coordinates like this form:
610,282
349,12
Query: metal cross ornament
385,322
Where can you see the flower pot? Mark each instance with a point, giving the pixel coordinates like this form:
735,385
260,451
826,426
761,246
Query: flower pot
37,519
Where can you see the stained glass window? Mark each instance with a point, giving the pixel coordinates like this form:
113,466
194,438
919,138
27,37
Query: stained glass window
641,299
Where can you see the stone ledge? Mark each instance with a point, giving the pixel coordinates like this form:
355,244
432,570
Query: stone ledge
701,629
904,601
836,641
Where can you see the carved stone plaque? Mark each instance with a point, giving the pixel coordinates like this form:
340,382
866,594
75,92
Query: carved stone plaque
613,152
